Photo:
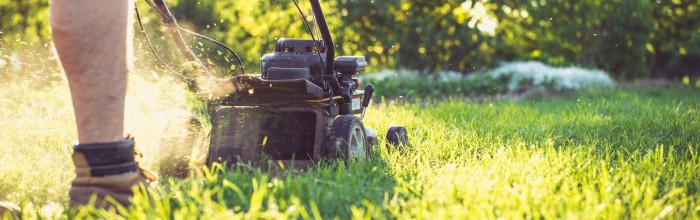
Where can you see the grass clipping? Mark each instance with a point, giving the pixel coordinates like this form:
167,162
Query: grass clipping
205,84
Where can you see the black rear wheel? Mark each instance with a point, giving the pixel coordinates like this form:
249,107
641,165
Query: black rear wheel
347,139
397,136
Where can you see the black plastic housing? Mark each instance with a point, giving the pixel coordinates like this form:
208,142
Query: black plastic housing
295,53
351,65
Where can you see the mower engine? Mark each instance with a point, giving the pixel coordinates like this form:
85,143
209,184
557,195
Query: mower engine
299,59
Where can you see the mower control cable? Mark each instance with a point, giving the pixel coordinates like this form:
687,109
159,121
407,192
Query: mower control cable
318,49
324,100
240,63
169,19
330,50
170,23
153,49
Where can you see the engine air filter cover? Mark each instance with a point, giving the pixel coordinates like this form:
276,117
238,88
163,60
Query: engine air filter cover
350,64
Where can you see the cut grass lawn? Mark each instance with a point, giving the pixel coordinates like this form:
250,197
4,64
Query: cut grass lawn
620,153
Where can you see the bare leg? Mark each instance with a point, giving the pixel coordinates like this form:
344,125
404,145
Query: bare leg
92,40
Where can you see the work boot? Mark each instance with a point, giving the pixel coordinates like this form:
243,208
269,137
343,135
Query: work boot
10,209
107,170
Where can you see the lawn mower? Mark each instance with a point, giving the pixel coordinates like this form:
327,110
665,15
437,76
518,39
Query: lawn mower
305,105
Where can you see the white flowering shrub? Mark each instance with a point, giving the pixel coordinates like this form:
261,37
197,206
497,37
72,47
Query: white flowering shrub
506,78
410,83
558,78
400,74
408,75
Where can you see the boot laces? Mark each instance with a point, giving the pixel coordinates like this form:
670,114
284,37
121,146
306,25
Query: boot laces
147,174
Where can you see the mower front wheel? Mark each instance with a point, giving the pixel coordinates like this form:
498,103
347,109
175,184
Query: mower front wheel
347,139
397,136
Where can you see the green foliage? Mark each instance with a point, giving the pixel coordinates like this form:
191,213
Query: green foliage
22,22
421,35
675,41
473,35
628,38
606,34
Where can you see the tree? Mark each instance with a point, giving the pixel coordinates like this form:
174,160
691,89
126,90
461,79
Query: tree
23,21
675,40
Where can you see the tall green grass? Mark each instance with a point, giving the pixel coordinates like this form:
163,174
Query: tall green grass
619,153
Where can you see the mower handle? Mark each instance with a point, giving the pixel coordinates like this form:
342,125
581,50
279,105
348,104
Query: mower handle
369,90
171,23
330,48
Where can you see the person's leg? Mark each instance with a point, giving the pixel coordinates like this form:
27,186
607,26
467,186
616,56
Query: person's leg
92,39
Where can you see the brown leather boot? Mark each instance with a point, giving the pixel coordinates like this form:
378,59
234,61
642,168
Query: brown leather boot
9,210
107,170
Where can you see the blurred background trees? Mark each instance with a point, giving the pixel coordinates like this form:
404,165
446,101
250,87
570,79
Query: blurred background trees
24,21
628,38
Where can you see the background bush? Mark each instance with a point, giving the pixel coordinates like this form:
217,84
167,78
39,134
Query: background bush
515,78
628,38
